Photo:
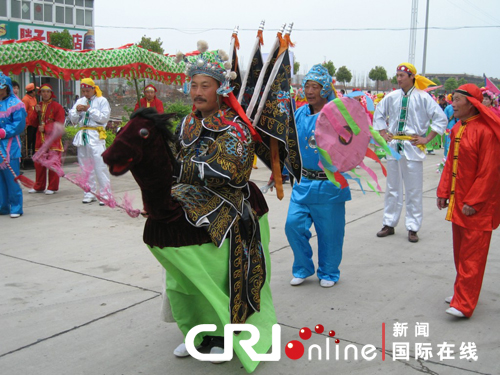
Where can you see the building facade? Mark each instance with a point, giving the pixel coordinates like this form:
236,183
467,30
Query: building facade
21,19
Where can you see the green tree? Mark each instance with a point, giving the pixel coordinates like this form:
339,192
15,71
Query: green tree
378,74
344,75
394,80
330,67
462,81
437,81
62,39
296,67
451,84
152,45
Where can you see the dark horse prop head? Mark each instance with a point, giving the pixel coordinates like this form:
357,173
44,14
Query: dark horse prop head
145,135
142,146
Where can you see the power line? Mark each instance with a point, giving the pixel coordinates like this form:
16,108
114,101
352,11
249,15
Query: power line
197,31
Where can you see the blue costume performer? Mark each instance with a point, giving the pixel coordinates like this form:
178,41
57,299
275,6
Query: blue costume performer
12,123
315,200
448,111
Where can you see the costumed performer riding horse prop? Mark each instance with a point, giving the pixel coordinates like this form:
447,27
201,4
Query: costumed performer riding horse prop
207,227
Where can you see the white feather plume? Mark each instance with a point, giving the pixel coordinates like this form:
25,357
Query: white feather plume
179,56
223,55
202,46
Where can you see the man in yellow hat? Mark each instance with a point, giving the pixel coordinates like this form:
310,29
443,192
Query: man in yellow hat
409,111
91,112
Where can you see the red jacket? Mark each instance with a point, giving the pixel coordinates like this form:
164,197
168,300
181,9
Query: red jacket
478,176
156,103
53,113
29,103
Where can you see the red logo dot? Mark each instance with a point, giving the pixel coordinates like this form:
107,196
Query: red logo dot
337,341
305,333
331,333
294,349
319,329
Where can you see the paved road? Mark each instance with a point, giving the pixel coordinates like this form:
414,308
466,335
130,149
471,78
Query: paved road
81,293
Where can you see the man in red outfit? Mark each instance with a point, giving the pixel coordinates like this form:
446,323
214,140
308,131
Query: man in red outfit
46,113
469,188
150,100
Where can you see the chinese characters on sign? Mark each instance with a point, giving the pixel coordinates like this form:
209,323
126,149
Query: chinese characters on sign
423,350
32,31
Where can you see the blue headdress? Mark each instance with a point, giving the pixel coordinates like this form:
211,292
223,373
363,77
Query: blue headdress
319,73
5,81
212,64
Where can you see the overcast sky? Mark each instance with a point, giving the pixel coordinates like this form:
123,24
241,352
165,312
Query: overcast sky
472,46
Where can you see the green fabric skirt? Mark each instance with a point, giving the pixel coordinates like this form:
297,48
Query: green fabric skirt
197,286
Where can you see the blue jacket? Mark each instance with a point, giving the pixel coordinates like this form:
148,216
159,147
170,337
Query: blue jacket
313,191
12,120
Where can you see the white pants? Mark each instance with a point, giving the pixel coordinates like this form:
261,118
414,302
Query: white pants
409,173
91,154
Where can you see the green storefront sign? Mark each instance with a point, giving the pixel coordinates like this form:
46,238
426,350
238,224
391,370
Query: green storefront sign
82,39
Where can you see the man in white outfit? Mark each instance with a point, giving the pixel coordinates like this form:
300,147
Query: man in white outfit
91,112
403,118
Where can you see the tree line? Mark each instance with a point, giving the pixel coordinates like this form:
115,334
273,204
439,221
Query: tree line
342,75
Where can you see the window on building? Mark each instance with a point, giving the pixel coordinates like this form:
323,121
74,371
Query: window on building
47,12
88,17
59,1
59,14
79,3
38,11
3,8
15,9
42,12
69,2
26,10
80,17
68,15
89,3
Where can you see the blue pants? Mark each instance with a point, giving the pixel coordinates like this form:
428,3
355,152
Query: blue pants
329,221
11,194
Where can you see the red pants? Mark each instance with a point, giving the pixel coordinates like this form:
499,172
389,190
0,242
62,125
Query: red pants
470,250
41,177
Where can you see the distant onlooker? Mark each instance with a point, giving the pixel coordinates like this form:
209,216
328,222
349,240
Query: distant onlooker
15,88
150,100
442,102
30,102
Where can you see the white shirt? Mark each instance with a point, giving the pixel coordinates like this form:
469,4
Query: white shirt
99,113
422,109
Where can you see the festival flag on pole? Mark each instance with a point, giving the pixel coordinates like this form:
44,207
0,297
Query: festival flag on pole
274,118
253,71
234,46
490,85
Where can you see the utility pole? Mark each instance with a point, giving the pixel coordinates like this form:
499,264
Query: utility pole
413,31
425,36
